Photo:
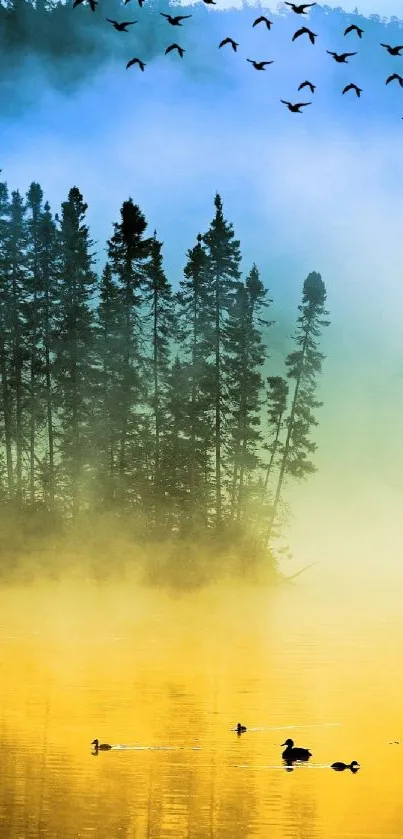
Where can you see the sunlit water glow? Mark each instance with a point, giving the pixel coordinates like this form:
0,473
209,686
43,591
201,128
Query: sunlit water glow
165,679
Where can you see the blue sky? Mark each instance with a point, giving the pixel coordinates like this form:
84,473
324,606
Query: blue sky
317,191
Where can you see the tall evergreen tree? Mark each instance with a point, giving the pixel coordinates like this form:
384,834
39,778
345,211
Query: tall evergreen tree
195,339
5,336
129,254
17,264
304,364
223,266
109,345
34,208
75,358
161,311
49,275
246,355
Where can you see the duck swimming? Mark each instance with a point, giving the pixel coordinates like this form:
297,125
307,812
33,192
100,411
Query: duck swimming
103,747
339,766
292,752
240,729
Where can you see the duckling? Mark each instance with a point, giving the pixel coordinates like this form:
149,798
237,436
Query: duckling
294,753
339,766
103,747
240,729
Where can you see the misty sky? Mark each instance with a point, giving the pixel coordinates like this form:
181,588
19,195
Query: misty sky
318,191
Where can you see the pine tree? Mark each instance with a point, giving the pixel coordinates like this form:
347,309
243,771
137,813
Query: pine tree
49,274
223,267
195,338
109,332
161,311
75,358
5,335
246,355
17,262
34,207
129,254
304,364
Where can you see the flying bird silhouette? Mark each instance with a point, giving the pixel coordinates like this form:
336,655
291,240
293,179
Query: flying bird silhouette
210,2
342,57
92,3
135,61
121,27
259,65
354,28
352,86
263,19
393,77
299,9
140,2
175,21
308,84
296,108
392,50
233,43
175,47
304,30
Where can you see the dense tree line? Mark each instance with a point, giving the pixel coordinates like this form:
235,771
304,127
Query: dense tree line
120,394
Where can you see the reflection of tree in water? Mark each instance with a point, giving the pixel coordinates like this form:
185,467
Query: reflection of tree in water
300,814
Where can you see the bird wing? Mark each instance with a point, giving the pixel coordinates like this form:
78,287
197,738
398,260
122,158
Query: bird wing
164,15
298,33
347,54
283,100
225,41
390,78
131,62
331,53
111,21
302,104
128,23
183,17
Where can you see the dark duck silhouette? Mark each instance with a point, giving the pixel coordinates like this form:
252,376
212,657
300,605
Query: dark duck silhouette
342,57
240,729
339,766
296,109
175,47
101,747
175,21
233,43
308,84
262,19
91,3
121,27
352,86
305,31
135,61
299,9
259,65
393,77
354,28
292,752
393,50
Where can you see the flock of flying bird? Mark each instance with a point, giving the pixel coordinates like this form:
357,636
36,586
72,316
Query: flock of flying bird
299,9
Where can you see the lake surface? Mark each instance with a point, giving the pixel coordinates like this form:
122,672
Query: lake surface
317,663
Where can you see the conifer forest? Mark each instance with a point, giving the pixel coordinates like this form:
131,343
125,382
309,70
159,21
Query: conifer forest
123,396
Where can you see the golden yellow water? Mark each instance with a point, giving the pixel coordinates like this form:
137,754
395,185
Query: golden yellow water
147,669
